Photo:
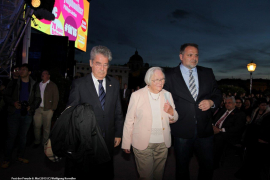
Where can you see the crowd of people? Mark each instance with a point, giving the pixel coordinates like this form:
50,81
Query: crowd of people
27,101
246,127
183,103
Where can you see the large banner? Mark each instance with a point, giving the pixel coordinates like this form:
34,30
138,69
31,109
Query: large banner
71,19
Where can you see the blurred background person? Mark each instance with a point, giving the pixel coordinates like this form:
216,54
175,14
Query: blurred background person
22,97
239,103
43,115
257,137
125,95
247,107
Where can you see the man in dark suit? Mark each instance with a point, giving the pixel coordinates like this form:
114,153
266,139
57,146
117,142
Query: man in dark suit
228,127
102,92
194,90
125,95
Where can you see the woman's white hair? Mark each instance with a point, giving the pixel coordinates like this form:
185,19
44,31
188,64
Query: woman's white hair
149,74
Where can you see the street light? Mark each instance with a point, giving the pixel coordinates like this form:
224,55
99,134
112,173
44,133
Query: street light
251,68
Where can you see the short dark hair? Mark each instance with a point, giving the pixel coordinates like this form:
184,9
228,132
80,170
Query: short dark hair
14,67
27,66
46,70
238,98
262,100
183,47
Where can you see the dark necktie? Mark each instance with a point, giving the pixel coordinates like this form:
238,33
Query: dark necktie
102,94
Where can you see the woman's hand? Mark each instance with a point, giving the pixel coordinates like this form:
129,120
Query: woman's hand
127,151
168,108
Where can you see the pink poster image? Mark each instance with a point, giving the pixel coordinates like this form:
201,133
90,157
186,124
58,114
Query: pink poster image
71,20
73,9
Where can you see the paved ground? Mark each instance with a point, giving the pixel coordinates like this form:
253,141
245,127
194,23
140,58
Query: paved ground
125,168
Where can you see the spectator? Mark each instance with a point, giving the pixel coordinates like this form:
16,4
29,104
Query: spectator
258,113
15,72
256,164
43,115
228,127
22,99
239,103
125,95
247,107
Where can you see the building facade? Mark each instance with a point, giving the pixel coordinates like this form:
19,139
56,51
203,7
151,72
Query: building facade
121,73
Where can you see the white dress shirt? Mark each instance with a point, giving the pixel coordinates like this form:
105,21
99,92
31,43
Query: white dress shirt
42,87
96,83
185,73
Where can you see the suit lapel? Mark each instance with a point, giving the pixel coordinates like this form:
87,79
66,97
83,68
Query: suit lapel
109,92
147,102
162,101
219,115
92,90
228,117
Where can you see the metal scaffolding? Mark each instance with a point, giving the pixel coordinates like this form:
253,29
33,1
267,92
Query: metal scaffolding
14,20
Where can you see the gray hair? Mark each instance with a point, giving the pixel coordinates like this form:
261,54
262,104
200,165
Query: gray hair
149,74
232,98
100,50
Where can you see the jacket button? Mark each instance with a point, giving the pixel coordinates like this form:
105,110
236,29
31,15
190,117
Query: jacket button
163,128
162,118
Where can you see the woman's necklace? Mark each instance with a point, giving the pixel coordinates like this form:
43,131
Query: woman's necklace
152,96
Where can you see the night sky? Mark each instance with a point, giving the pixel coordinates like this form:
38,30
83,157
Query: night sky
230,33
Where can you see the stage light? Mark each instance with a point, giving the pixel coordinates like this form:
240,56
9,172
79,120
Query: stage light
42,8
35,3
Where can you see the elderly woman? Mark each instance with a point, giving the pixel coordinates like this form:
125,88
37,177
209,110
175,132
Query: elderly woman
150,111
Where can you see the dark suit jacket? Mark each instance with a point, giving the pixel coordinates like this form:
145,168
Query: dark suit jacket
234,125
187,107
111,119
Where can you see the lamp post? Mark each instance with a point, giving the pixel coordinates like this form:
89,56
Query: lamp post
251,68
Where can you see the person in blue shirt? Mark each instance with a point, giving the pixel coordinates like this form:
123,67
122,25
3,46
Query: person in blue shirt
22,98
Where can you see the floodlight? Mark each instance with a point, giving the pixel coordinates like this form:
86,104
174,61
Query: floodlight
35,3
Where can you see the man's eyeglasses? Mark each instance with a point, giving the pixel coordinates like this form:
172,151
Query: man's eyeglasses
16,70
238,102
100,65
158,80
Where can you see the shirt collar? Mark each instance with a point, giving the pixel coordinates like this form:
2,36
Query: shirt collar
45,82
95,79
185,70
230,111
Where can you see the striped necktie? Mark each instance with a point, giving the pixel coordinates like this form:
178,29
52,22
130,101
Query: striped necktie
102,94
222,119
192,85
